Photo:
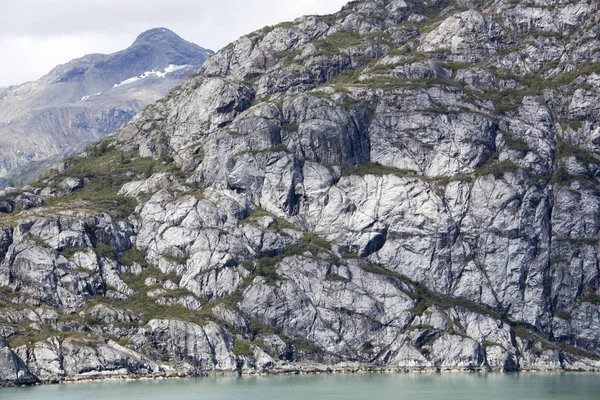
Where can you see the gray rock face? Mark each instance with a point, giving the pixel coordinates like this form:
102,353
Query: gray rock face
198,348
396,186
13,370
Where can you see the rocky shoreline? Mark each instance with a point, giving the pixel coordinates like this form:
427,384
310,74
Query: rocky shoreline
299,370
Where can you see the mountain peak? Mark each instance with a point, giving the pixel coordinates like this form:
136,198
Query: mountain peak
158,35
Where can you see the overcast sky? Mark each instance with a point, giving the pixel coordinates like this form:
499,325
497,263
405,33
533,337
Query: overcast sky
37,35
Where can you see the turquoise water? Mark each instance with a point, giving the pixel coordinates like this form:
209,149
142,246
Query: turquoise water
431,386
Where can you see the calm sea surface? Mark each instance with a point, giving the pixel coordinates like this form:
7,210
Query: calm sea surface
431,386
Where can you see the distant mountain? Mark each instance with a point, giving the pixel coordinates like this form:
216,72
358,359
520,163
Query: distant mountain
88,98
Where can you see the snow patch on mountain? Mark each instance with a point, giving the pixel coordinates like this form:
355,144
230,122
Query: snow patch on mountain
171,68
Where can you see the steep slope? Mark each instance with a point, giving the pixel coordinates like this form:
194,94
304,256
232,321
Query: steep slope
398,186
88,98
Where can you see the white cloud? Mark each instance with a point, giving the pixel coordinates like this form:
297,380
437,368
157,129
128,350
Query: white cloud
29,57
36,35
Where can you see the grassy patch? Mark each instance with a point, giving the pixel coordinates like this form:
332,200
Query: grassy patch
379,270
259,328
147,307
333,44
561,177
498,169
521,331
313,244
563,314
346,77
367,346
426,298
336,278
289,127
103,251
487,344
577,241
132,256
455,66
280,223
303,345
591,297
567,348
70,252
581,69
515,143
30,337
242,348
265,267
176,259
372,168
566,149
106,170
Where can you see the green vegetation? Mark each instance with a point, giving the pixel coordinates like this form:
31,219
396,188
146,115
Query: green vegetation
270,28
561,175
433,11
565,123
302,345
28,337
426,298
487,344
508,100
288,56
379,270
105,171
345,78
368,346
336,278
242,348
101,251
334,43
591,297
498,169
147,307
567,348
280,223
289,127
374,168
505,101
132,256
578,241
563,314
522,331
566,149
104,251
265,267
259,328
275,149
176,259
456,65
312,244
528,333
581,69
5,291
515,144
70,251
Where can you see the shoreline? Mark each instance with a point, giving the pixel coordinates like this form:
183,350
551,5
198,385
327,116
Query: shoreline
97,378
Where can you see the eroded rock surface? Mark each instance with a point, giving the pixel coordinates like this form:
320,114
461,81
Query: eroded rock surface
397,186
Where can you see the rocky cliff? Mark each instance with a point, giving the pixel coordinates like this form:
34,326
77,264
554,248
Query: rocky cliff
399,186
86,99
